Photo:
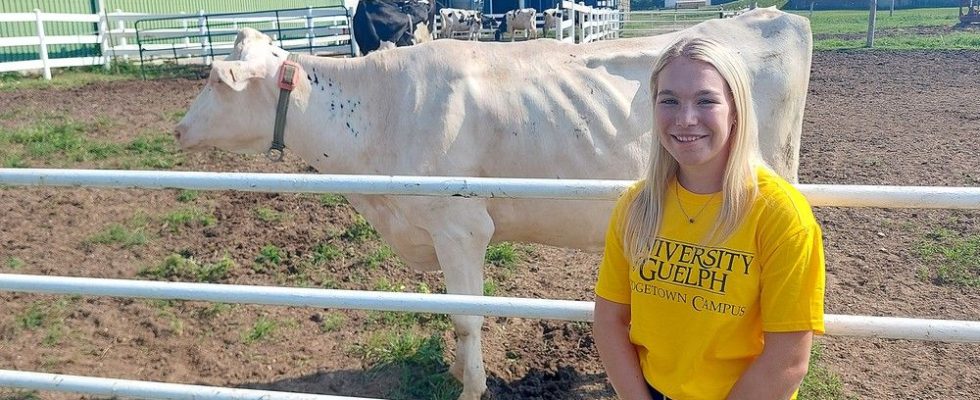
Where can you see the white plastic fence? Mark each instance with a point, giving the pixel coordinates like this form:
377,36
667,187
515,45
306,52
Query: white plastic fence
819,195
326,30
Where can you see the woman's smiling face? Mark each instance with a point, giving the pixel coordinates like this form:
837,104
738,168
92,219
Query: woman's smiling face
695,115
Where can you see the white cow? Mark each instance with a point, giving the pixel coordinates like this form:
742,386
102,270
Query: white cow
522,19
458,21
552,20
566,111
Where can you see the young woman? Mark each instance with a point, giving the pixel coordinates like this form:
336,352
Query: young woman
712,282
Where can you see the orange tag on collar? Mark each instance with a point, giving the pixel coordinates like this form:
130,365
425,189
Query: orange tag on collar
288,75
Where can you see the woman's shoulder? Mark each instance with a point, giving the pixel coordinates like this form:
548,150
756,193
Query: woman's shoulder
781,201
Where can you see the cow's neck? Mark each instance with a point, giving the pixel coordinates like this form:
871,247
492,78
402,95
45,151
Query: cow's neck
337,114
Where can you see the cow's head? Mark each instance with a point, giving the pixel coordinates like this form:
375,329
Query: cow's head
236,109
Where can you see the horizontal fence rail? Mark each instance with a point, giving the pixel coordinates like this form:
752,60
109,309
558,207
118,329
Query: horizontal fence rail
567,310
144,389
925,197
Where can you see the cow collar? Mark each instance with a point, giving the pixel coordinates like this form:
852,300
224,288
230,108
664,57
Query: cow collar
287,78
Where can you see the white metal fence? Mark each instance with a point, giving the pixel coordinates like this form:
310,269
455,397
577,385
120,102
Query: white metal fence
819,195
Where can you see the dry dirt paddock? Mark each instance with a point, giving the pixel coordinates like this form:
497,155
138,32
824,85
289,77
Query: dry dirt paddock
889,118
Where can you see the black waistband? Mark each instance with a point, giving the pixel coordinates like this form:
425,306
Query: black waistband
656,394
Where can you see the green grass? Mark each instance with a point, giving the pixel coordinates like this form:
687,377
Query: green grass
820,383
836,29
14,263
332,322
121,235
379,256
325,252
183,268
19,394
416,359
187,196
49,316
951,258
331,199
188,217
266,214
359,231
56,141
502,254
263,329
269,256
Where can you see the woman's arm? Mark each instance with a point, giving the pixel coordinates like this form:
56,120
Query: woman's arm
611,333
779,370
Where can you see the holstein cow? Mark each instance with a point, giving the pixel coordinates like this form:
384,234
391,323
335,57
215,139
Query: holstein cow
522,19
456,21
566,111
383,24
552,20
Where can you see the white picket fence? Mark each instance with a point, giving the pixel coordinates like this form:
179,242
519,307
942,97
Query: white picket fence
819,195
323,31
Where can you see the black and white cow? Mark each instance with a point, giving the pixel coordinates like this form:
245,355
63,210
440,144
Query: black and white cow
382,24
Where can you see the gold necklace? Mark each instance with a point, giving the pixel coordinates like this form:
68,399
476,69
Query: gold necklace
680,205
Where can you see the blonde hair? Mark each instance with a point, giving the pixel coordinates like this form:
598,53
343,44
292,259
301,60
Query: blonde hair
739,185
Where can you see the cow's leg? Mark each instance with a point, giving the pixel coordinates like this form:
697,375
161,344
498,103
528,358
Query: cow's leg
461,246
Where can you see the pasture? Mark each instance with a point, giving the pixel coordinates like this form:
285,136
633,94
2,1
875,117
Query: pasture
864,124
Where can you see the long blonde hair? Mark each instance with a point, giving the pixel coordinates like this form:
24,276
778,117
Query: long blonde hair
739,186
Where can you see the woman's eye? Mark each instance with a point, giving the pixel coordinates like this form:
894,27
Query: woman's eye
668,101
707,101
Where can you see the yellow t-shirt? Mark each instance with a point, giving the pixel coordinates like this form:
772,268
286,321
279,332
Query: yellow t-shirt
699,311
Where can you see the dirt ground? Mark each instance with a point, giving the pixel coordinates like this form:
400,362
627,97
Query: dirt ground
888,118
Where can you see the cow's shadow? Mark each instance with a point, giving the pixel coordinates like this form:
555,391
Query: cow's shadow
564,383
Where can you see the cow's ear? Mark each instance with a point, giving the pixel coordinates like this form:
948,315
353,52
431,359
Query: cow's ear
236,74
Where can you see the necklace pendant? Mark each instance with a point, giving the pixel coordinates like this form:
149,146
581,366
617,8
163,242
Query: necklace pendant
691,220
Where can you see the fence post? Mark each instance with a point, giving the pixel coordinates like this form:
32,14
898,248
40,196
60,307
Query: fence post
42,44
104,35
872,17
202,30
351,6
581,24
121,27
310,33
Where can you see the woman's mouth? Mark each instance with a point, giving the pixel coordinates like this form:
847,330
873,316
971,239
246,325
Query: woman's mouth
687,138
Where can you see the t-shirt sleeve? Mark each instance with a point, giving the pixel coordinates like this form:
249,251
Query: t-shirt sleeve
793,279
613,282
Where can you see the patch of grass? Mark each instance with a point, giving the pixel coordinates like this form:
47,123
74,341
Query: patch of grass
836,29
189,217
266,214
261,330
121,235
332,199
379,256
359,231
953,258
61,142
332,322
187,196
19,394
417,359
14,263
325,252
270,255
502,254
33,318
60,79
489,287
212,310
179,267
821,383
